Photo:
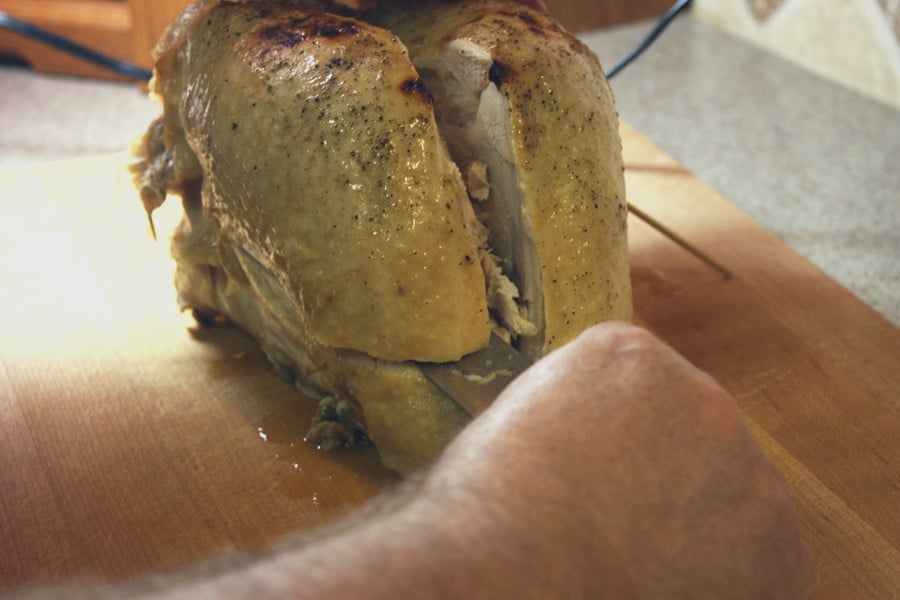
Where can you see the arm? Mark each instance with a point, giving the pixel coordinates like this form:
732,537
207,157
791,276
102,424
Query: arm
612,468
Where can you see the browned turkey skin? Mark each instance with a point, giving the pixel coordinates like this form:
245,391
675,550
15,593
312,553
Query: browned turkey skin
362,191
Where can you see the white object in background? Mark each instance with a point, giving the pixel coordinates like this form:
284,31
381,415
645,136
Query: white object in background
853,42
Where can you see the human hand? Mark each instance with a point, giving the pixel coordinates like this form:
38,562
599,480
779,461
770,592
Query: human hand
610,469
615,468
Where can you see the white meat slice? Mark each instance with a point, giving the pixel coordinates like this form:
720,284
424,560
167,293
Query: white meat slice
514,90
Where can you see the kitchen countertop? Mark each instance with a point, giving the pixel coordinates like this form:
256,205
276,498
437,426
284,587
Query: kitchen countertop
812,161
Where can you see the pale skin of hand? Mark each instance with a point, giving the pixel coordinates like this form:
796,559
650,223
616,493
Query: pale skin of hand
610,469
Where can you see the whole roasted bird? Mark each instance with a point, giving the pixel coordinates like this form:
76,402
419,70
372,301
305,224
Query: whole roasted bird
367,189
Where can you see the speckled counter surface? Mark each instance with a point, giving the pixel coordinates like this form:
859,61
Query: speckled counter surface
814,162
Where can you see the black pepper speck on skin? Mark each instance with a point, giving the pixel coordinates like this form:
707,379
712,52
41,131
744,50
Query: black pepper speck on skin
338,136
565,139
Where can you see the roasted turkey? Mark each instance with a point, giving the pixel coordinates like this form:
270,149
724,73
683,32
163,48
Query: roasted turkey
365,190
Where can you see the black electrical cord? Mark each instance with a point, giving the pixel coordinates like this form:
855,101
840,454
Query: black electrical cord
135,72
60,43
664,22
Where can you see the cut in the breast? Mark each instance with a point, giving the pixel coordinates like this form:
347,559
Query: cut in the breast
516,92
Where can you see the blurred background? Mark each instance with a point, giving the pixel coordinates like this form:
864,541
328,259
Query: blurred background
128,29
852,41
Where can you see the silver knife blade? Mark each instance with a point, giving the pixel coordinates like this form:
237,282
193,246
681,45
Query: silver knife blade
476,380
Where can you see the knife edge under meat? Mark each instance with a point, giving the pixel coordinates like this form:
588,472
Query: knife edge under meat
475,381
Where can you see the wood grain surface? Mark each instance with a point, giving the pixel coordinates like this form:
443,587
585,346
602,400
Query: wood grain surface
130,441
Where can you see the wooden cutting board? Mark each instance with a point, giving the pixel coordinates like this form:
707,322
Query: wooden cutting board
131,441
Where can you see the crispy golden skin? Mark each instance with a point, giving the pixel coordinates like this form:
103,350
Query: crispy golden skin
330,110
324,215
516,90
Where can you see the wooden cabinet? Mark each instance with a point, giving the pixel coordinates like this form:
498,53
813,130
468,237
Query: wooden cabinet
128,29
124,29
580,15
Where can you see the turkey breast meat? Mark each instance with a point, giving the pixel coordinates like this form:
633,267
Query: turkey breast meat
365,190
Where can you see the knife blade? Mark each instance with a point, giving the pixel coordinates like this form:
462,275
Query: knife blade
476,380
